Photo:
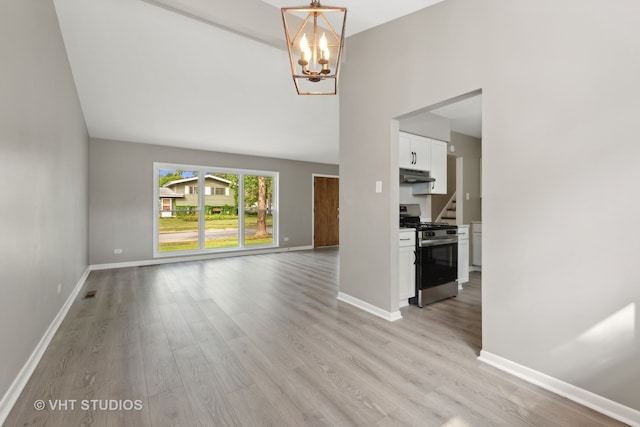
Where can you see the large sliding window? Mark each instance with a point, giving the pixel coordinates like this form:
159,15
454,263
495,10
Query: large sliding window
205,209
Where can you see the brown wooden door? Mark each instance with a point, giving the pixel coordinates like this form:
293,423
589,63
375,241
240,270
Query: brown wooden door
325,208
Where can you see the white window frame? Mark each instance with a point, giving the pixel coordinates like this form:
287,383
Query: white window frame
202,171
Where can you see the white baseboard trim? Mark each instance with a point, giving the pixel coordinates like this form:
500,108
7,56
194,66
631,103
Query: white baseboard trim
13,393
475,268
369,308
584,397
171,260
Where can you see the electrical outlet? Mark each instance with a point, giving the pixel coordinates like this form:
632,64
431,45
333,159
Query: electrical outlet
117,251
286,239
59,288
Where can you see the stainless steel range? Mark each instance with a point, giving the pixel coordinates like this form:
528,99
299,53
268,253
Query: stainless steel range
436,257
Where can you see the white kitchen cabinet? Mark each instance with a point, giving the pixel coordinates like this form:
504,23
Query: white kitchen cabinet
463,254
406,266
439,167
414,152
405,153
438,171
476,243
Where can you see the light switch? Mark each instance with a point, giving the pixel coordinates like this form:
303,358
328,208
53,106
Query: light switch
467,196
378,186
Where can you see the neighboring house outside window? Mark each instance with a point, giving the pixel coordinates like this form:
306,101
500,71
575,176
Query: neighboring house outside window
217,192
167,202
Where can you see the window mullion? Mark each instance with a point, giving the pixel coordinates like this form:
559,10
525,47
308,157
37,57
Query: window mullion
241,210
201,210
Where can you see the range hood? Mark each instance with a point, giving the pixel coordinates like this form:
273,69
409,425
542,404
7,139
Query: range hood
410,176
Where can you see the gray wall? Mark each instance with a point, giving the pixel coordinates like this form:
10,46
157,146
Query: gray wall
560,91
470,149
43,170
121,195
427,124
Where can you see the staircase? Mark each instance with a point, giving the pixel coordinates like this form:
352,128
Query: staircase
448,214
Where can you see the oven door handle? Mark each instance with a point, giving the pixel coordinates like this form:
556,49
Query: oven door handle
438,242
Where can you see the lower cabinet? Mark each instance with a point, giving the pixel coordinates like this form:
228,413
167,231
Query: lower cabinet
476,240
463,254
407,267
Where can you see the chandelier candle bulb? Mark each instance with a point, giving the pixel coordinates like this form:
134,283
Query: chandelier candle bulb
304,48
324,49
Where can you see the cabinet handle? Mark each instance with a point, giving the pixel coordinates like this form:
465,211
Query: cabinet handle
433,185
405,239
415,257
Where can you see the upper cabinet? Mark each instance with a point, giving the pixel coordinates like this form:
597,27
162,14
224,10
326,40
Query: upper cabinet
421,153
414,152
439,167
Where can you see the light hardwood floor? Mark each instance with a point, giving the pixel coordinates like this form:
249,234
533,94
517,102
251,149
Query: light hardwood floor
262,341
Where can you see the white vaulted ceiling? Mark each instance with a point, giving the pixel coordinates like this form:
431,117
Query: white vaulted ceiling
147,74
204,74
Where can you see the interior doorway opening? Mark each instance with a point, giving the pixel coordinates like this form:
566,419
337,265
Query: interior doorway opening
458,121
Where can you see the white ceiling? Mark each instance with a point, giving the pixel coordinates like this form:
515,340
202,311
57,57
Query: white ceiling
465,115
365,14
147,71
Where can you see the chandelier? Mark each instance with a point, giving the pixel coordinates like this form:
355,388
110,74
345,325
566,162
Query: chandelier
315,47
